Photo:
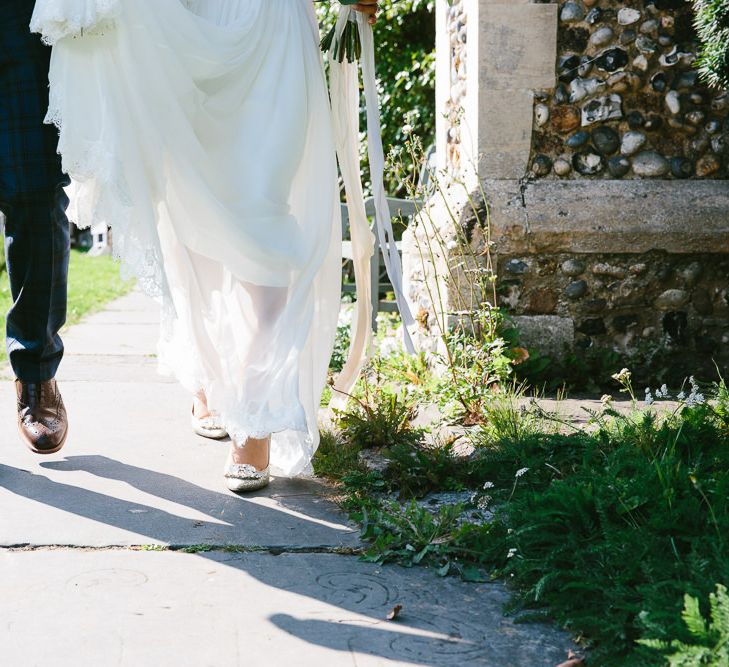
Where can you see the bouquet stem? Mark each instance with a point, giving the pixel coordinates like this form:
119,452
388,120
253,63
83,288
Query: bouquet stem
348,45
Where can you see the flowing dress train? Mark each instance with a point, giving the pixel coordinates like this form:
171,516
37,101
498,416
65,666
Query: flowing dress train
201,130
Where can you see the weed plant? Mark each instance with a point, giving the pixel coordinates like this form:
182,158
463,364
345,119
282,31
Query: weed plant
603,529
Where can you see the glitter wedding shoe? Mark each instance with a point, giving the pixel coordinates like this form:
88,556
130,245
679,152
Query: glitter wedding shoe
242,477
207,426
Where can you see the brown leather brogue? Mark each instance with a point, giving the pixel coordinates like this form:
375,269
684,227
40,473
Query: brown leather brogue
42,418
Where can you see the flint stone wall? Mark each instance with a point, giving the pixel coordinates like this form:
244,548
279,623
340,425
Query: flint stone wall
650,240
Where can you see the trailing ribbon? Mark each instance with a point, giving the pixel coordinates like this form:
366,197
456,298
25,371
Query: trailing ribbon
345,98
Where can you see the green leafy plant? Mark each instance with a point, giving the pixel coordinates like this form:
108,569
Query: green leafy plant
416,469
709,637
601,528
411,535
335,457
712,26
380,418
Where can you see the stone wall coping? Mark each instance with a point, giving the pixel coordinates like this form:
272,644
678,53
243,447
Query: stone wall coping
605,216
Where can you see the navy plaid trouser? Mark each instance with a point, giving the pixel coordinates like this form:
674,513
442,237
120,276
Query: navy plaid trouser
32,198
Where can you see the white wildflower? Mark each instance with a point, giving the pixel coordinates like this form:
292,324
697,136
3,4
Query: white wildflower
622,376
521,472
488,485
695,398
681,396
512,553
649,398
389,346
345,316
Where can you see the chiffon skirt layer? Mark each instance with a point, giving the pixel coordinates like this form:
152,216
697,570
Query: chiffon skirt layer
201,130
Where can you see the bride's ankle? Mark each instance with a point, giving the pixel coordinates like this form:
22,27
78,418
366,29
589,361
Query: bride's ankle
200,405
254,451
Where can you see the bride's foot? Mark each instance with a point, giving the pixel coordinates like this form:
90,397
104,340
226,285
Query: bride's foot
247,468
205,422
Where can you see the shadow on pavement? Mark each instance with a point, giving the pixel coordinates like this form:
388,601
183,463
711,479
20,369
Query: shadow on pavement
445,622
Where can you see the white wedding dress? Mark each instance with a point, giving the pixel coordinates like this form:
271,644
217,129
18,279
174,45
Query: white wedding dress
201,131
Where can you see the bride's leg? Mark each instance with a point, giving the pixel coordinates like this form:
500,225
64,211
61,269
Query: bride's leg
254,452
266,304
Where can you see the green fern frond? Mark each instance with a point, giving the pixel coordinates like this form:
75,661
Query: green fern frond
711,646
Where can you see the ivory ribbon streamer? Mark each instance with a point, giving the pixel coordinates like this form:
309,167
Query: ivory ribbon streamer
345,99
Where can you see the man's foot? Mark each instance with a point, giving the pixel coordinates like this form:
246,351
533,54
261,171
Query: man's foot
247,468
42,419
205,422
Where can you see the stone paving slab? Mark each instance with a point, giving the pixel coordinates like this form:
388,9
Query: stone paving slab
83,583
69,608
132,472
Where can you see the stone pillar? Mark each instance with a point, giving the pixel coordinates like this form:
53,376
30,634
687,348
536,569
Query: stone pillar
608,194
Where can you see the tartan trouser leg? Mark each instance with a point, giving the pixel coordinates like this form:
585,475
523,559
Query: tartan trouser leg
36,248
32,199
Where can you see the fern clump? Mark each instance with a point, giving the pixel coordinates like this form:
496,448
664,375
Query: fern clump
709,639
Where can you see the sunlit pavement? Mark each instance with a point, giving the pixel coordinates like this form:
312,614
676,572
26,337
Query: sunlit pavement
126,549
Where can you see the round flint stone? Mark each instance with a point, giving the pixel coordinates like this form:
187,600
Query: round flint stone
516,266
646,44
713,126
632,142
572,11
568,68
650,26
562,167
628,16
682,167
650,163
605,140
561,95
585,66
672,299
707,166
659,83
602,36
541,165
576,289
618,166
673,102
612,59
636,120
594,15
627,36
695,117
573,267
578,139
587,163
541,114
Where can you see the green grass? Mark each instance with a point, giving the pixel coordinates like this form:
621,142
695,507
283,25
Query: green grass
92,283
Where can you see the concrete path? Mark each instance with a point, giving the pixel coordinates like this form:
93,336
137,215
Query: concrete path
87,577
